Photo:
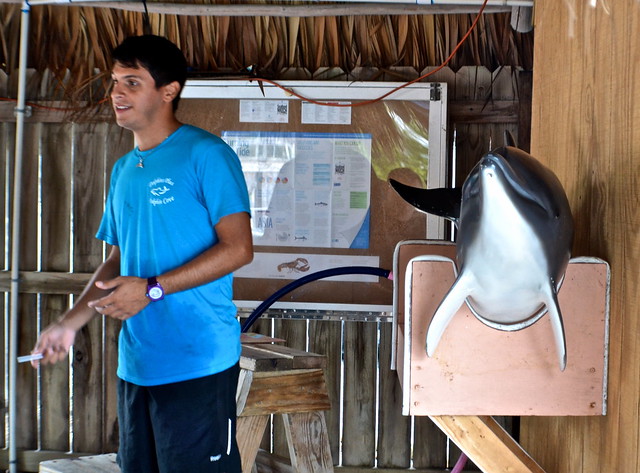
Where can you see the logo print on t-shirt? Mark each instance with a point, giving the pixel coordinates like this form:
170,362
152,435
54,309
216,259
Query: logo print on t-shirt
160,189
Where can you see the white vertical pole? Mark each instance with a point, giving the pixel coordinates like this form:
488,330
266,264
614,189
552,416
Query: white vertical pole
15,236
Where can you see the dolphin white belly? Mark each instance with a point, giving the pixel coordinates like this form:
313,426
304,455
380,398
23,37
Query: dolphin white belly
506,261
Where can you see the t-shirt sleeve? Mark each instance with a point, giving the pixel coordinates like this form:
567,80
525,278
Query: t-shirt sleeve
224,186
107,229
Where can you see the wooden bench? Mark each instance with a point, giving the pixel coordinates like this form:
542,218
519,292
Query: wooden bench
273,380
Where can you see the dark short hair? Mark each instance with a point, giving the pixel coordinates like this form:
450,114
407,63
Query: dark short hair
163,59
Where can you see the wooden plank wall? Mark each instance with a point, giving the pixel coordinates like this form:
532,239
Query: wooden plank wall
71,407
64,187
586,126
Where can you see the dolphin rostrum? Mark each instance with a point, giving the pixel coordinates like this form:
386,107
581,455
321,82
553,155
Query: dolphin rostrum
515,232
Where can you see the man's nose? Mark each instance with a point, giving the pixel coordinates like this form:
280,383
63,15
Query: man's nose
116,90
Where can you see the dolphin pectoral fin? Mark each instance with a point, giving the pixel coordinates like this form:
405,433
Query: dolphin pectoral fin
445,311
553,309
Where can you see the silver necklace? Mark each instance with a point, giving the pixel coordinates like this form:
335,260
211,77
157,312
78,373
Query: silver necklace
140,160
141,156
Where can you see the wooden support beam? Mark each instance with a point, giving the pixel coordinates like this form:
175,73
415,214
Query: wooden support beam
40,282
250,432
308,442
496,111
56,112
296,11
292,391
487,444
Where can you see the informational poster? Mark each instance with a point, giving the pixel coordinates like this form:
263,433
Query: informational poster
313,114
307,189
264,111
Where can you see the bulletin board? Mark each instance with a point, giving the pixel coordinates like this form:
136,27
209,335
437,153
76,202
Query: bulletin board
318,178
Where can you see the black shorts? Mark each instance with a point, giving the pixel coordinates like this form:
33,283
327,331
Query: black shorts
186,427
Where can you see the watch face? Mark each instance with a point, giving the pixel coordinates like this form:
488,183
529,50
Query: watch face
155,293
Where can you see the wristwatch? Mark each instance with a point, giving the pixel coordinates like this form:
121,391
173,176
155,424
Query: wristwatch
154,290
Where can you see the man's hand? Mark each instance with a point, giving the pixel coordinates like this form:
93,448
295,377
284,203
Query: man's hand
54,344
126,298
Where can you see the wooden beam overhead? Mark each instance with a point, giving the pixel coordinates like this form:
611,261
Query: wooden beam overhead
466,111
296,11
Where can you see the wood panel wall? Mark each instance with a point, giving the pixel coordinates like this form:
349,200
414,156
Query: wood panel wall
586,126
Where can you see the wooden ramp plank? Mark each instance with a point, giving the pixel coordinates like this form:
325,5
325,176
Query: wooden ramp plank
487,444
255,359
95,464
300,359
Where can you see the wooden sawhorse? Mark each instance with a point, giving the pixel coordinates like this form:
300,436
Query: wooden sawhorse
273,380
280,380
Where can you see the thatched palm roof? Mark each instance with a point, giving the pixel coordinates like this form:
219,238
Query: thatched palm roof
73,43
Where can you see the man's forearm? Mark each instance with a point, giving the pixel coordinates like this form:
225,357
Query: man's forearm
80,314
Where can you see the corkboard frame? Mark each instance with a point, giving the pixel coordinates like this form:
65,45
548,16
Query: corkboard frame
215,104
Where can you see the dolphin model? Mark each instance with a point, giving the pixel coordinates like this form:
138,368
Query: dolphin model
515,232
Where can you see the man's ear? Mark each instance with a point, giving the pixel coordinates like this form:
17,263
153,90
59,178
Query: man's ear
171,91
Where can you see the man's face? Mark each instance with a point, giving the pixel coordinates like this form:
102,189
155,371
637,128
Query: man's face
135,98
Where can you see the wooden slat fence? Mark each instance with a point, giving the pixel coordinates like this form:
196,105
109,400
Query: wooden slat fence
71,407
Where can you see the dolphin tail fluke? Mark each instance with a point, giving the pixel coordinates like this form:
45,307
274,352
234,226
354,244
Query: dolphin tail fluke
445,312
553,308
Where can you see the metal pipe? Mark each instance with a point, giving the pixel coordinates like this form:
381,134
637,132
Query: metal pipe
15,235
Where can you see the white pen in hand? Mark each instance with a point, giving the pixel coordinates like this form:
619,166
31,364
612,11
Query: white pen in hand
34,356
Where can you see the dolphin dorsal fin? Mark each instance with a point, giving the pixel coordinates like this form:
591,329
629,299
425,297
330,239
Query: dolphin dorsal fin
442,202
509,140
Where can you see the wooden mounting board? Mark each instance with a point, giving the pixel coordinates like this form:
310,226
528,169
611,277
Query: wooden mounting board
477,370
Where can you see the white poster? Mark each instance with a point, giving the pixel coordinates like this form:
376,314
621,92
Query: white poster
298,265
307,189
313,114
264,111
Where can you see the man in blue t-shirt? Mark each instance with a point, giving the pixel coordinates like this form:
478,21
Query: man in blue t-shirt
177,219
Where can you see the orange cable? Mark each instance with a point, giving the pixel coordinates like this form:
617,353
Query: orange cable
317,102
378,99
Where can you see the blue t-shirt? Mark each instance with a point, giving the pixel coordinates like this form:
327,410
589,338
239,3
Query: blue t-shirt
161,216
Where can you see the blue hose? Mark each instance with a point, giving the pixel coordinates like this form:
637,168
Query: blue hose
327,273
